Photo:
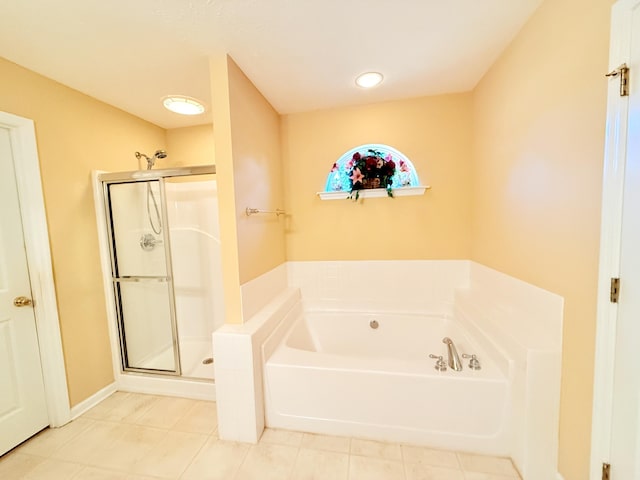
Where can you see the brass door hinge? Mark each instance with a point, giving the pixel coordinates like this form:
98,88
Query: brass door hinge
623,71
615,290
606,471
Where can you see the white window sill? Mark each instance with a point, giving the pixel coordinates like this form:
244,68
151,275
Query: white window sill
375,193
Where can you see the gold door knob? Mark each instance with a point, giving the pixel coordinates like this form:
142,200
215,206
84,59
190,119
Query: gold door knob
22,302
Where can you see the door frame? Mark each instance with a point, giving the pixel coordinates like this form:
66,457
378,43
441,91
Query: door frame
37,246
610,238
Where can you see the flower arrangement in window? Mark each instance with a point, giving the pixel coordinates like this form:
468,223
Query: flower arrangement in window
370,171
371,166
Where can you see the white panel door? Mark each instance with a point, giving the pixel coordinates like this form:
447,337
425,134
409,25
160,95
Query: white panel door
23,408
625,440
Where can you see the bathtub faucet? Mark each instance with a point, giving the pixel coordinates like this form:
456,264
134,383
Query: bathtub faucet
454,359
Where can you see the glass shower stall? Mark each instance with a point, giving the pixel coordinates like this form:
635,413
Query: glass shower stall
162,227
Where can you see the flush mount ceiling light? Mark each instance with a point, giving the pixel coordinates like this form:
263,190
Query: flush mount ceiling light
183,105
369,79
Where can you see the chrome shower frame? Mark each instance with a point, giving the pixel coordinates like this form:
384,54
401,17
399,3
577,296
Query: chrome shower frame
146,176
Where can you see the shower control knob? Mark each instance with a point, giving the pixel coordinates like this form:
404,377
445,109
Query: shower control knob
474,363
441,365
148,242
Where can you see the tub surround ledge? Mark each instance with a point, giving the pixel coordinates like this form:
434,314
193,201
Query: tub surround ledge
523,323
238,369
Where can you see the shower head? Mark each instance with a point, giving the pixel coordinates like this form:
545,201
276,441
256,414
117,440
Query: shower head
152,160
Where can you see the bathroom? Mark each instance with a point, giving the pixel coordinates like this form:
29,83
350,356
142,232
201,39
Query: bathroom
503,182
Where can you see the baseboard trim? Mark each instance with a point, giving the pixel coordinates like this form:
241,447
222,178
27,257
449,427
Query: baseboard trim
92,401
165,385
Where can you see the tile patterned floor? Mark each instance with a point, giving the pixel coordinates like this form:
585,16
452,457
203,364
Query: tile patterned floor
145,437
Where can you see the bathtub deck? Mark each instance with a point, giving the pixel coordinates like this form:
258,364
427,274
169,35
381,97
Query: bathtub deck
146,437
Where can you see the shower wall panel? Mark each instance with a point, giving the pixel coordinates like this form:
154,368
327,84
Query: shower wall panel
192,209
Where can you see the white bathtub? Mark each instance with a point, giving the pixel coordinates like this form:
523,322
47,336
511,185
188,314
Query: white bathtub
332,373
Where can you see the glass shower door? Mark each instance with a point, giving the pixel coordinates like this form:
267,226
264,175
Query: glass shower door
141,274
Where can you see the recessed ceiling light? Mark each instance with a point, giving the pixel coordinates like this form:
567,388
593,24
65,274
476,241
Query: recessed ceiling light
369,79
183,105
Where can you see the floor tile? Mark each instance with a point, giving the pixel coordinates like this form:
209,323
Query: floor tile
130,408
320,465
281,437
50,440
170,458
486,464
92,473
488,476
16,465
145,437
53,470
166,412
217,460
133,443
417,471
370,448
366,468
268,462
430,456
326,442
101,410
89,443
201,418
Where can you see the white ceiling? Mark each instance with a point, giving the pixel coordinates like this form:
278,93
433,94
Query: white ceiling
301,54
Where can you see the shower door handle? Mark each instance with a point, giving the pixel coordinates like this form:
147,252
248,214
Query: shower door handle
141,279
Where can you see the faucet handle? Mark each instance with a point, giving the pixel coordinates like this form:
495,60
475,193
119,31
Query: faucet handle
474,363
441,365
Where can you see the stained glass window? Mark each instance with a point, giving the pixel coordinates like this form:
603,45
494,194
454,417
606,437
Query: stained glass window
384,165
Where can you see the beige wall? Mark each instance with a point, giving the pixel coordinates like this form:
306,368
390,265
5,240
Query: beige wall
189,146
76,134
539,137
433,132
515,169
221,109
258,176
249,171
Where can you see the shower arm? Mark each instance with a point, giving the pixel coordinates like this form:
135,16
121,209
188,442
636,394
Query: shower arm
159,154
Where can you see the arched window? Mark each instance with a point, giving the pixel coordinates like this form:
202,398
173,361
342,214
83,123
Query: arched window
372,166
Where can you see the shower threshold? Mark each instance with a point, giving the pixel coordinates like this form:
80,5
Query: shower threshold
193,355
